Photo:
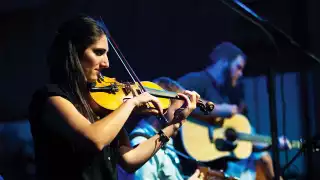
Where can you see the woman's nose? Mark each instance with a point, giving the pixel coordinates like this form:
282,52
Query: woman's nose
105,63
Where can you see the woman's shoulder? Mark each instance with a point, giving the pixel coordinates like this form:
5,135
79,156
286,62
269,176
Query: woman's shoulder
49,90
41,95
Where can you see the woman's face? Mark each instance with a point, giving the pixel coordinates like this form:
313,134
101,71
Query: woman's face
95,59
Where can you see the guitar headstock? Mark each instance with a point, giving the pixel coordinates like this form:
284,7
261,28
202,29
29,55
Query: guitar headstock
208,174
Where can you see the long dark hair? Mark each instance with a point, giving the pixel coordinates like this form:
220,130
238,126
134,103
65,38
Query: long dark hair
72,38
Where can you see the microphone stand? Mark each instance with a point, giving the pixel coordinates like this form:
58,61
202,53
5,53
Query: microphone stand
270,30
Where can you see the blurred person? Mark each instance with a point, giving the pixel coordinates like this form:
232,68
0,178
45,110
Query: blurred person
219,83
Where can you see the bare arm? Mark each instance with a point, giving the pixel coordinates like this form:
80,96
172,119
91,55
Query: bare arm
134,158
64,118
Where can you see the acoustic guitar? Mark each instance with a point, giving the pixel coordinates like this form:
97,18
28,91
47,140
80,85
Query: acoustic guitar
205,142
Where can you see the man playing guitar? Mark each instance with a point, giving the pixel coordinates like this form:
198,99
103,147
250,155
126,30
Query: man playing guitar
219,83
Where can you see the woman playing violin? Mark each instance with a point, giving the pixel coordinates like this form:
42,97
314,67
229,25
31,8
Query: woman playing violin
72,139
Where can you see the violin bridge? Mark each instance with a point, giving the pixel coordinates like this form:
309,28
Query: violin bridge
127,89
138,92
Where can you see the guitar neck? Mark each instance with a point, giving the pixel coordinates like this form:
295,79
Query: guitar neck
264,139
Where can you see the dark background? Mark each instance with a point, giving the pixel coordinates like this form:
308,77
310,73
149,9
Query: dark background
158,38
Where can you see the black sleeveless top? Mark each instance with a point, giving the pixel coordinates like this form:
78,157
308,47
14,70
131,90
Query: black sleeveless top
59,158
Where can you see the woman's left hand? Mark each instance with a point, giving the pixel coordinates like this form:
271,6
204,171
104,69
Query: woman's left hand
181,112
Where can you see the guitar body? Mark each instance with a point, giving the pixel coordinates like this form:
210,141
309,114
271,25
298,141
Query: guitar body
198,138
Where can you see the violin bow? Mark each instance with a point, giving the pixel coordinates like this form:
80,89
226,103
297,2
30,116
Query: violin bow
126,65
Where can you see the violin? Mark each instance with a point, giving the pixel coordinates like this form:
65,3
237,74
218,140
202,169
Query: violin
110,94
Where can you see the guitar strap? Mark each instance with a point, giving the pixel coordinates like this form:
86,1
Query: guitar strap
217,88
225,98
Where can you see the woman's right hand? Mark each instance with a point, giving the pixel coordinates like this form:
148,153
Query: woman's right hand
141,100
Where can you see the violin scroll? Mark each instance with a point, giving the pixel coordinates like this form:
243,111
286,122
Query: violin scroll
205,106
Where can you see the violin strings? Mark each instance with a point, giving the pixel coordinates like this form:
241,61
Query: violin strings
125,63
121,60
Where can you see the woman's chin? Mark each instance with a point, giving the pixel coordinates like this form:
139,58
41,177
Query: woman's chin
92,79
